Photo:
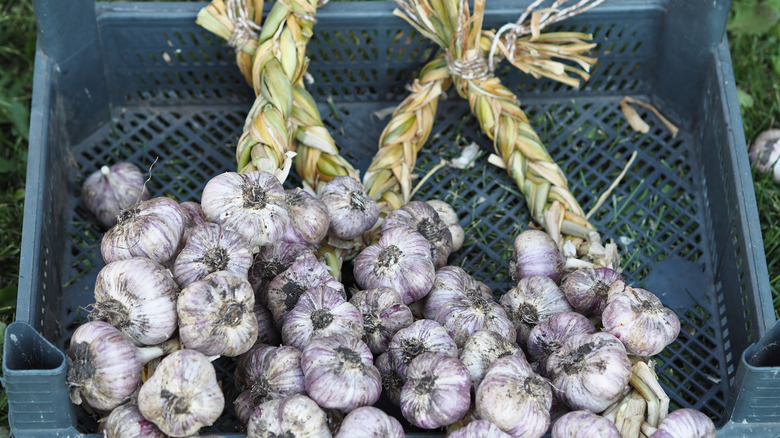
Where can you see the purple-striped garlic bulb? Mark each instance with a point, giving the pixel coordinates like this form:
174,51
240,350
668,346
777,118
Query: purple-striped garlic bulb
383,315
548,336
533,300
514,398
193,217
151,229
211,248
452,282
270,261
126,421
321,311
137,296
421,217
351,210
482,349
182,395
216,315
286,288
584,423
401,260
448,215
685,422
639,319
267,333
267,373
108,191
586,289
479,429
437,391
370,422
295,416
309,220
423,336
251,204
589,371
339,373
534,252
462,317
391,381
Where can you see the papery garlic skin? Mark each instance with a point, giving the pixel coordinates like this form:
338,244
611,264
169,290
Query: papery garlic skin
548,336
321,311
452,282
482,349
126,421
589,371
383,315
216,315
211,248
586,289
535,253
479,429
182,395
269,373
436,392
422,218
244,408
351,210
250,204
370,422
309,220
103,368
112,189
391,382
151,229
423,336
270,261
514,398
685,422
464,316
401,260
583,423
339,373
138,296
296,416
533,300
639,319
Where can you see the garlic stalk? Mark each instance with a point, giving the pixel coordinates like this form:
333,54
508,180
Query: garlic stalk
424,219
112,189
436,392
383,315
211,248
321,311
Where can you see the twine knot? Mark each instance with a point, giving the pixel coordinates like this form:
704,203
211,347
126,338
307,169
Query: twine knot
244,29
475,67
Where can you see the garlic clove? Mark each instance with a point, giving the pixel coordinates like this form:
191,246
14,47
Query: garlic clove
309,220
112,189
534,252
296,416
383,314
367,422
479,429
423,336
450,283
351,210
535,299
482,349
586,289
584,423
126,421
320,311
436,392
211,248
182,395
549,336
424,219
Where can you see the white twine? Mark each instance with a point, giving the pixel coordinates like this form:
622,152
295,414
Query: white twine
244,29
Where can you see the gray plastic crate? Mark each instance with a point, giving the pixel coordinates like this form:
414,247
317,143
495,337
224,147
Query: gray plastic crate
136,81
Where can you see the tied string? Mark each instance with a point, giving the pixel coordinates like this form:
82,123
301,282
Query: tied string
244,29
470,68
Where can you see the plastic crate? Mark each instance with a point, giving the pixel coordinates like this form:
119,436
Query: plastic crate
136,81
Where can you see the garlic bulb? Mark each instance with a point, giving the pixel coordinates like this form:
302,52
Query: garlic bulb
383,315
151,229
535,253
304,273
126,421
685,423
423,336
589,371
211,248
110,190
370,422
244,408
339,373
422,218
296,416
266,327
391,382
437,391
462,317
351,210
765,151
584,423
193,217
309,220
137,296
251,204
548,337
269,373
479,429
533,300
320,311
401,260
514,398
182,395
450,218
450,283
639,319
586,289
270,261
215,315
482,349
